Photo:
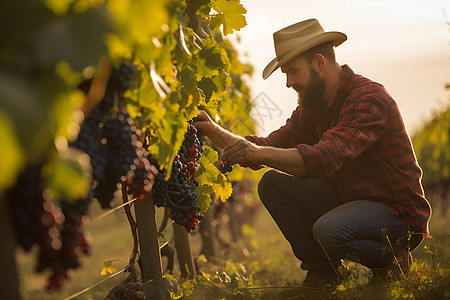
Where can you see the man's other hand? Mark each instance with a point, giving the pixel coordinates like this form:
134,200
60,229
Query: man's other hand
243,152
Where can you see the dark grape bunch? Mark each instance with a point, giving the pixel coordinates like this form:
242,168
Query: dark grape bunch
108,135
56,229
178,193
225,167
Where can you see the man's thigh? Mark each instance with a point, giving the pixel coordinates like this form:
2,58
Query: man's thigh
313,197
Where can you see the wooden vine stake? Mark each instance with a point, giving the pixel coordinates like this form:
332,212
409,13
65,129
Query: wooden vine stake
206,230
183,251
10,279
151,267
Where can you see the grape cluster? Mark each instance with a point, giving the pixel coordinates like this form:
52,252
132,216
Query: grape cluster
225,167
178,193
56,229
109,136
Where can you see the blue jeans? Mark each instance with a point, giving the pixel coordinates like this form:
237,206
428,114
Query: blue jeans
322,230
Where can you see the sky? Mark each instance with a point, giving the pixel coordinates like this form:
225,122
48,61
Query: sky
402,44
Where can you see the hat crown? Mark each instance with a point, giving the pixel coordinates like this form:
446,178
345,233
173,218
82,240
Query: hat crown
295,32
297,39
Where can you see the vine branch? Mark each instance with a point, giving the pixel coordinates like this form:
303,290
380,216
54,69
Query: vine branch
133,226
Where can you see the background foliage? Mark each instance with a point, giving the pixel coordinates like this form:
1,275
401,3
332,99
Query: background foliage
184,62
432,147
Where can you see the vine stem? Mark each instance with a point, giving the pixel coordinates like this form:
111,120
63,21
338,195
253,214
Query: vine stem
133,226
117,259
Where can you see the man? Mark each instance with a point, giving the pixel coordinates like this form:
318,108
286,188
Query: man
345,183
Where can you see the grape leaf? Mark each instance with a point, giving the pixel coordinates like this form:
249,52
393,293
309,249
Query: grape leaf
208,87
203,70
188,81
230,14
207,171
222,187
204,192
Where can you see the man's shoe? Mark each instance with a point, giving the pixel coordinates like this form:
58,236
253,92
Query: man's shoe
327,278
393,270
318,279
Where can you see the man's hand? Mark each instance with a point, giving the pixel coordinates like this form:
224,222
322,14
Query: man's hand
250,155
243,152
208,127
204,123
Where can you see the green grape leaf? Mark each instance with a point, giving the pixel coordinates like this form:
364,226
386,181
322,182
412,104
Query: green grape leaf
191,94
222,187
192,6
148,98
221,81
207,171
170,133
209,88
204,192
215,55
230,14
203,70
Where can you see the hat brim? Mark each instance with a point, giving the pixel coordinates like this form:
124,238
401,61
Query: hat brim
332,36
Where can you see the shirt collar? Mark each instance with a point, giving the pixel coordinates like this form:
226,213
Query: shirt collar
342,89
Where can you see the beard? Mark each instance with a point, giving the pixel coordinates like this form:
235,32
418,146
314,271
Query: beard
311,96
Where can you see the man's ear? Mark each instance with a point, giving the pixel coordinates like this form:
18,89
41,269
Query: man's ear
319,62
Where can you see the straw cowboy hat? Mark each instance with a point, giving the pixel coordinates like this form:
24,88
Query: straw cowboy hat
298,38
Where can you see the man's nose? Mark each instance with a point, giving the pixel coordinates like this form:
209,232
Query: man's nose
289,81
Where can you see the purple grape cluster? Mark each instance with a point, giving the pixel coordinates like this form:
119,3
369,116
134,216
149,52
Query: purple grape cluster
178,193
225,167
111,139
56,228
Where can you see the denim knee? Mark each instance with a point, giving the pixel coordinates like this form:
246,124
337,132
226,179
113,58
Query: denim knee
326,232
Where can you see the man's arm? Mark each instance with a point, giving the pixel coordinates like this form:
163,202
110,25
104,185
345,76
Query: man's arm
287,160
217,134
238,150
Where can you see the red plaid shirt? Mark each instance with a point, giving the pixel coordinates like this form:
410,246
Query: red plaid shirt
360,145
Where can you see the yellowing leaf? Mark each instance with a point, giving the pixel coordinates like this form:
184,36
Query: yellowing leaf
223,188
107,268
230,15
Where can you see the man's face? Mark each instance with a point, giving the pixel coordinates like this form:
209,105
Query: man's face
306,81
